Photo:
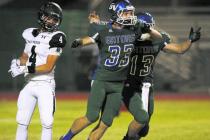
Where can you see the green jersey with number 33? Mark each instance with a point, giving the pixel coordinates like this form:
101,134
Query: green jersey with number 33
115,47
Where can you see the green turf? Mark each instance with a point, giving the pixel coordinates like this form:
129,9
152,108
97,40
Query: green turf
172,120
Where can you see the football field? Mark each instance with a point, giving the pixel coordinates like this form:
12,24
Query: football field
172,120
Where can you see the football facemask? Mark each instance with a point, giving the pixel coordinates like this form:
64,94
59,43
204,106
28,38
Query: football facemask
50,16
123,13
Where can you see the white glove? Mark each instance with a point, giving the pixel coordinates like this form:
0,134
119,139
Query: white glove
15,63
16,69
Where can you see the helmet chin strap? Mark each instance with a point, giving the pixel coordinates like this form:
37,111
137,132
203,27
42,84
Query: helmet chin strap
47,27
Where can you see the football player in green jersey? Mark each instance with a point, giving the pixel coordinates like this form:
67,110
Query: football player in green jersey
140,76
115,42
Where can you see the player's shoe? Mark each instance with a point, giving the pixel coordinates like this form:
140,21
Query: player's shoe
61,138
127,138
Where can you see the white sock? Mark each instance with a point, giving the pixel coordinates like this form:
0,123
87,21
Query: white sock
22,132
46,133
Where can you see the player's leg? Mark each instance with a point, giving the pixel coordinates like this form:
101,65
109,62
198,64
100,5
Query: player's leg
136,108
140,117
102,110
111,109
94,105
26,104
98,132
46,104
145,130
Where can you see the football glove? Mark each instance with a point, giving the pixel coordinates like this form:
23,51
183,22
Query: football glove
16,69
76,43
194,35
15,63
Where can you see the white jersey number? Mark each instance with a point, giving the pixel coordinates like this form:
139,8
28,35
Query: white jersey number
115,52
61,39
147,61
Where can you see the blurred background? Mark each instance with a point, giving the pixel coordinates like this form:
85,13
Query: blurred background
173,73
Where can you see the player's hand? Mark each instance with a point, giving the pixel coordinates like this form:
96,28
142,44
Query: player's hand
15,63
15,71
15,68
76,43
93,17
194,35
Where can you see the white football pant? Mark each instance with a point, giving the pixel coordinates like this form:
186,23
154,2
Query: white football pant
41,93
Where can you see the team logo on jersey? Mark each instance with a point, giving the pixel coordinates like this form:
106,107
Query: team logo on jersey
120,39
43,36
32,41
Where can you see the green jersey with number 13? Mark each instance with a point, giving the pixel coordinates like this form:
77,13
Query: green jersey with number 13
143,59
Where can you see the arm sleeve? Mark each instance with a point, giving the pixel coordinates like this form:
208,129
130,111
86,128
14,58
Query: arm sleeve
166,40
93,32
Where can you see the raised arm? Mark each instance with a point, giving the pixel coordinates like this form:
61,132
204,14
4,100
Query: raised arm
154,34
183,47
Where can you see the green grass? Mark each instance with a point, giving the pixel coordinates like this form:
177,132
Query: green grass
172,120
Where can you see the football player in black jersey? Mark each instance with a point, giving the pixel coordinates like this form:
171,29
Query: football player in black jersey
43,46
140,76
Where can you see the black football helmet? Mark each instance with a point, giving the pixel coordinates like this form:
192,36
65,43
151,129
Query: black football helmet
116,9
50,10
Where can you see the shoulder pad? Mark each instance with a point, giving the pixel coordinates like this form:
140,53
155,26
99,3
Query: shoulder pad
27,32
58,40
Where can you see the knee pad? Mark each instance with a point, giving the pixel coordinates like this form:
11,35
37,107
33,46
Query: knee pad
142,117
144,131
47,123
92,116
108,116
22,118
107,120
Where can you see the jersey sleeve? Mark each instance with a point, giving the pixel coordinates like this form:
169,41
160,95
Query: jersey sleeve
26,49
137,30
94,32
26,35
57,43
166,40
